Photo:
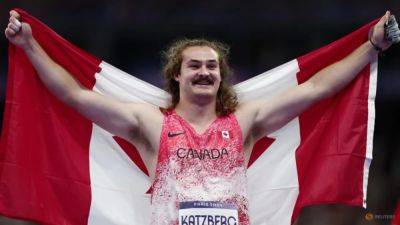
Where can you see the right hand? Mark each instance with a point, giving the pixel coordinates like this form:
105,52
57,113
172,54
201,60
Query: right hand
19,34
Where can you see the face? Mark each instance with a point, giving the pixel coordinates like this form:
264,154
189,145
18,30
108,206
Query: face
200,72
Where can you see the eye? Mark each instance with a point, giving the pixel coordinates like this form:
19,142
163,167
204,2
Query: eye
212,66
193,66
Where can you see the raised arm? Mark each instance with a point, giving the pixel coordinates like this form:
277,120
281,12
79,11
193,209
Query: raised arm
119,118
271,114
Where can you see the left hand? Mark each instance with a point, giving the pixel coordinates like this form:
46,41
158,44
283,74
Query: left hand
377,33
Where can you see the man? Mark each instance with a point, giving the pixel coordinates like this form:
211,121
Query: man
197,150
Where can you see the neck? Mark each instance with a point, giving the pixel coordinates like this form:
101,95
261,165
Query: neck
199,112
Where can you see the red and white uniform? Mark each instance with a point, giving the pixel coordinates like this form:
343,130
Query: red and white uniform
199,167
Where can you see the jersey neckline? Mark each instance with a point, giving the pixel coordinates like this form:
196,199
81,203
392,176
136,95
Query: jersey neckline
193,130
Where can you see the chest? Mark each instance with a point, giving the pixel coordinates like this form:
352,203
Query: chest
219,147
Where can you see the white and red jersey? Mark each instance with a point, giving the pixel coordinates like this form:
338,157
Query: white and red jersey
199,167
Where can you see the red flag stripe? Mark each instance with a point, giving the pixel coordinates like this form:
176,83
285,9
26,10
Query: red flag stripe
32,185
332,153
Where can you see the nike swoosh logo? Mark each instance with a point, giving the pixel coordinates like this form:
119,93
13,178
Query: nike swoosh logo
170,134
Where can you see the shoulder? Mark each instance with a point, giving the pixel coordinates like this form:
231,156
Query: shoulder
150,120
246,111
245,115
145,111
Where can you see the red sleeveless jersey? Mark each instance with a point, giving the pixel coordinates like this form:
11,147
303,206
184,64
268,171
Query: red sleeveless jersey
199,167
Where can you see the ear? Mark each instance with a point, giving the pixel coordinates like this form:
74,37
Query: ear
176,77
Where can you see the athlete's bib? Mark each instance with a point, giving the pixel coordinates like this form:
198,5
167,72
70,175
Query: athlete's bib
207,213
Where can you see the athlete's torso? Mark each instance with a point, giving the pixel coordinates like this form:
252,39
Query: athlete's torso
199,167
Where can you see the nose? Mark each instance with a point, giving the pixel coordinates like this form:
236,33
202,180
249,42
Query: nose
204,71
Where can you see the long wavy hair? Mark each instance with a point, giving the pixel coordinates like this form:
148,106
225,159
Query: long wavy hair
226,101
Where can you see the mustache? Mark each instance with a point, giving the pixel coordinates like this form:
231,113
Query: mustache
207,78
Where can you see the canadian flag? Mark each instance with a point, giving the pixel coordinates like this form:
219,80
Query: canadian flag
56,167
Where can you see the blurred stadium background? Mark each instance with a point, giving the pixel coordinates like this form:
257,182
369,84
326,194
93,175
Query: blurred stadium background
262,35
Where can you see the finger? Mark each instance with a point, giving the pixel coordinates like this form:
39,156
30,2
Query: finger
9,33
15,14
387,17
15,21
13,27
383,20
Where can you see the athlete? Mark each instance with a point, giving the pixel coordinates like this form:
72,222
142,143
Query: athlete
197,150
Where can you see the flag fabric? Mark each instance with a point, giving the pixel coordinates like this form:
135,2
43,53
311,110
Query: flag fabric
57,167
396,219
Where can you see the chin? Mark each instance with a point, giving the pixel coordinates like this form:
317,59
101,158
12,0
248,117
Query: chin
205,94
